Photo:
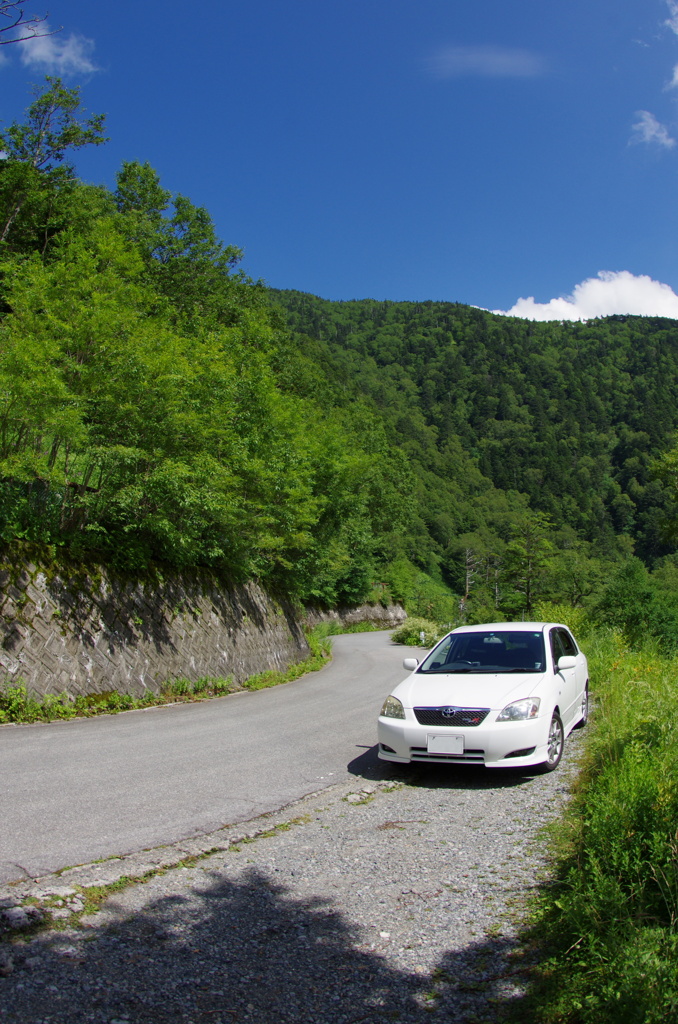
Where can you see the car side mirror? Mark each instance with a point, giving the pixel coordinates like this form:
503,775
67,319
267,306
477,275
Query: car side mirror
567,661
410,664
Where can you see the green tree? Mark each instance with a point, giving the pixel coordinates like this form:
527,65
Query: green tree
528,560
34,179
633,602
186,261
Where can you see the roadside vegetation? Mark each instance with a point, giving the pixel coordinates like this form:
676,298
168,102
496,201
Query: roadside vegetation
607,921
416,632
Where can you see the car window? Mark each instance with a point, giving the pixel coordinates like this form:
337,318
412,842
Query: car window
556,647
569,646
488,651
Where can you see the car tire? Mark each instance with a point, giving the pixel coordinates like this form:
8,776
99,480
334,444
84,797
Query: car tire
554,744
584,709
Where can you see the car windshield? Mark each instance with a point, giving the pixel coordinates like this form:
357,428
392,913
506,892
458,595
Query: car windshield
488,651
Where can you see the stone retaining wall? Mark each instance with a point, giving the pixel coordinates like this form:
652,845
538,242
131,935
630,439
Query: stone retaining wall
86,634
384,616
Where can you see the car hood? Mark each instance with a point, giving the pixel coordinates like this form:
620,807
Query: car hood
467,690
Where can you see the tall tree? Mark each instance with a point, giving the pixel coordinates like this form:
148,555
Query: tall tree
33,171
529,555
186,260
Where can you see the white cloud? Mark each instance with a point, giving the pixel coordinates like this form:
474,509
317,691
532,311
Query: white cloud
649,129
485,61
609,293
58,54
672,20
674,81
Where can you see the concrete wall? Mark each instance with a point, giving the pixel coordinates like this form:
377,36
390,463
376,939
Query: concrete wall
85,634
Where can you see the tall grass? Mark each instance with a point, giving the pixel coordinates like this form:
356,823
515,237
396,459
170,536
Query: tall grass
610,918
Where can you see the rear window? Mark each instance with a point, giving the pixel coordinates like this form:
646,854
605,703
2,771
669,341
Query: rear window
487,651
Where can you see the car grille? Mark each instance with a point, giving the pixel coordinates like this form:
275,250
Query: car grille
451,716
469,756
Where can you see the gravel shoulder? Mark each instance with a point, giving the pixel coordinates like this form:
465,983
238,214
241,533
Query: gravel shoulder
394,897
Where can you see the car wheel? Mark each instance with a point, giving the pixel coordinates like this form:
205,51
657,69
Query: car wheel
584,709
554,744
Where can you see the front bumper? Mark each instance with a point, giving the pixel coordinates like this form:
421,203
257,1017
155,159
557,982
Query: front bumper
493,744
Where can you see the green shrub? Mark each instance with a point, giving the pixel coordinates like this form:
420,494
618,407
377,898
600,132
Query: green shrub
634,603
577,619
410,633
420,594
17,706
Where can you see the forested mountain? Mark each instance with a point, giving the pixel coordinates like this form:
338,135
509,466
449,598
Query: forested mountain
570,414
160,409
571,418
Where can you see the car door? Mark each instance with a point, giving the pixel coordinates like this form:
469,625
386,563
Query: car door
581,670
562,644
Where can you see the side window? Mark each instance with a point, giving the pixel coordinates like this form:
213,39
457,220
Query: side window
569,646
440,655
556,647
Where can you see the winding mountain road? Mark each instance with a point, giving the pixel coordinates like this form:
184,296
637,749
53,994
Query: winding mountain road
74,792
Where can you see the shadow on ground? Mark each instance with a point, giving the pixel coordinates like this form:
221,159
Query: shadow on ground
245,951
448,776
248,949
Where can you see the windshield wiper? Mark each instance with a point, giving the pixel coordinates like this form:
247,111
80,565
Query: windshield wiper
446,670
523,669
478,669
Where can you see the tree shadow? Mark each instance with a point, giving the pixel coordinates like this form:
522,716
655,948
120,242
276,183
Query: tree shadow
247,950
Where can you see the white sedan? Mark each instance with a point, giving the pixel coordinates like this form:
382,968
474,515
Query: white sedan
504,694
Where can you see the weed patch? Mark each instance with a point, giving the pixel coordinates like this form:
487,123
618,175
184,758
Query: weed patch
609,919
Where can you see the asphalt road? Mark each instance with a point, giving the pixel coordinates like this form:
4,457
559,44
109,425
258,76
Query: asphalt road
74,792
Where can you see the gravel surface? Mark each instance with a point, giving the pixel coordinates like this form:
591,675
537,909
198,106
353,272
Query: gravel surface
394,898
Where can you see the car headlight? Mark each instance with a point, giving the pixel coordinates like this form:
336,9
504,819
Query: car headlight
520,710
393,708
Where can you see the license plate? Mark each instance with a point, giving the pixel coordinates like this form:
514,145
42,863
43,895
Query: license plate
445,744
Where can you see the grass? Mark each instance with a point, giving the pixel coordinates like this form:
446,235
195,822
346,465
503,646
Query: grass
17,705
609,919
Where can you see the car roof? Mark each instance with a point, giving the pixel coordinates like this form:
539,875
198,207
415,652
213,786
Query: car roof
513,627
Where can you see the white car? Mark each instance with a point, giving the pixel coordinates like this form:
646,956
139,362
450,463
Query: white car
504,694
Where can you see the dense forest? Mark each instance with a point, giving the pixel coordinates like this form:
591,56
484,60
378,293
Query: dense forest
158,408
570,415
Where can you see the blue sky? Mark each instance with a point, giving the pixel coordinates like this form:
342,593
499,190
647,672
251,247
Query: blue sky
402,149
